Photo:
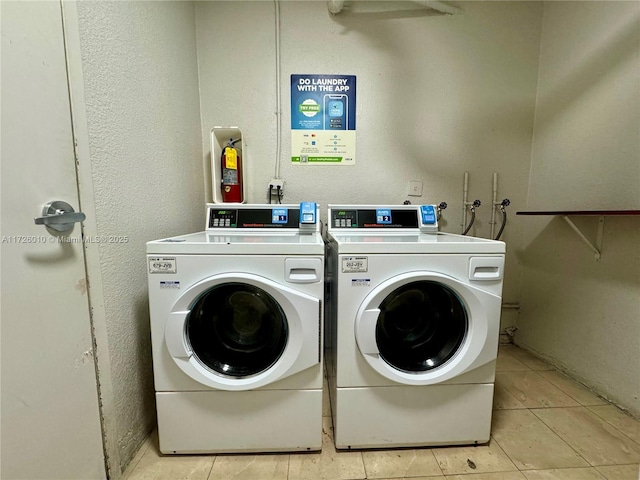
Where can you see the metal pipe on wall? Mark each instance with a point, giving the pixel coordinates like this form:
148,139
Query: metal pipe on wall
494,202
465,192
278,94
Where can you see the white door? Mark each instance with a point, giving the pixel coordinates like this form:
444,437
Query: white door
50,415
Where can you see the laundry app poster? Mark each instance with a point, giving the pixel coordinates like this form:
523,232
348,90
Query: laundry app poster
323,119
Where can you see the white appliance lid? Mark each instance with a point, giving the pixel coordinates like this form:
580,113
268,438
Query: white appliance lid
234,243
357,242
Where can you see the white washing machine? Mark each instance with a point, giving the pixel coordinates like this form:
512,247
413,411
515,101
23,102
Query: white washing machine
236,329
413,319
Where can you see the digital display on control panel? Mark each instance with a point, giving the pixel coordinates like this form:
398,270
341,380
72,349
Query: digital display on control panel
344,218
223,218
254,218
374,218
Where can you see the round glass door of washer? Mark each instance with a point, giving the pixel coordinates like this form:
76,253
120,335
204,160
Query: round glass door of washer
237,330
421,325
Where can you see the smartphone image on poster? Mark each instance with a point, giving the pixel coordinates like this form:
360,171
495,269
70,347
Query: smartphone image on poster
336,112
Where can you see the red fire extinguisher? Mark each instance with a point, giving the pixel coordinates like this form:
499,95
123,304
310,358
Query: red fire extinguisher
231,168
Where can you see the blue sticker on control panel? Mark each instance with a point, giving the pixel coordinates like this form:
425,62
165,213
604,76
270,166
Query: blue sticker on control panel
308,212
428,214
279,215
383,216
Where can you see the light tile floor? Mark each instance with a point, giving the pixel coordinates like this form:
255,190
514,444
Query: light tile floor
545,427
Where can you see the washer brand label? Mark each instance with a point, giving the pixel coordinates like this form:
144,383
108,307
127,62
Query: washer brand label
355,264
163,265
360,282
169,284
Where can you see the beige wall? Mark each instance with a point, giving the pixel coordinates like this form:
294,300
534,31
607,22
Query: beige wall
141,93
436,96
583,314
586,149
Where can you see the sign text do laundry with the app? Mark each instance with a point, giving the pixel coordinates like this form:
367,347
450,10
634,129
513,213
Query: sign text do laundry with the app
323,85
323,119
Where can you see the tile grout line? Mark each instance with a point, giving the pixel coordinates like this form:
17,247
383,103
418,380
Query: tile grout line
493,439
580,405
437,462
211,469
550,384
612,425
505,452
562,439
606,402
142,451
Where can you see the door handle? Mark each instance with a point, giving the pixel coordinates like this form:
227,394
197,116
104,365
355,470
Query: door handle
59,216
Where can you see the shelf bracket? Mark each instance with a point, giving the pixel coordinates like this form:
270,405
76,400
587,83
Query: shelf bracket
598,246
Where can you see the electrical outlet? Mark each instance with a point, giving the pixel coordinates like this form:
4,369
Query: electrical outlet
415,188
274,183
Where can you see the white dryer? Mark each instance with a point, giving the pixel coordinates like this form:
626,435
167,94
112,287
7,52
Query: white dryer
413,319
236,322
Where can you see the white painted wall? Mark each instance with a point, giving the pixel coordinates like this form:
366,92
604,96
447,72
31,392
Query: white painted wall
586,152
437,96
581,314
143,120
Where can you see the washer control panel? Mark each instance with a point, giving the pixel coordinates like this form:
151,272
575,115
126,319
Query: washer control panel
299,217
420,217
239,218
223,218
344,219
